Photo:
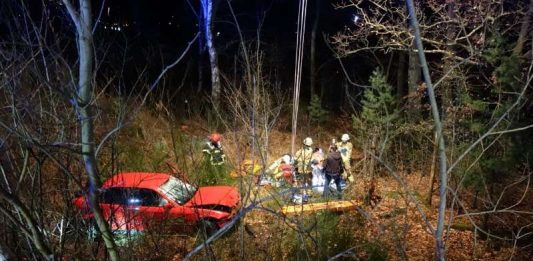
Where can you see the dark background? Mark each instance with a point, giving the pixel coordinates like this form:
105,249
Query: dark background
135,36
165,27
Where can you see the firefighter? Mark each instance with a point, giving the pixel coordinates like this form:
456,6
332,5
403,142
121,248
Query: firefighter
215,169
303,159
345,148
213,150
282,169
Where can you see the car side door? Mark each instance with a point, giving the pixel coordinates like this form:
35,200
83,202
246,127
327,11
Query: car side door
153,208
114,203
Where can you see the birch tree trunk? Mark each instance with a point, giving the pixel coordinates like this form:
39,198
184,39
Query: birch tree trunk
207,9
443,173
83,22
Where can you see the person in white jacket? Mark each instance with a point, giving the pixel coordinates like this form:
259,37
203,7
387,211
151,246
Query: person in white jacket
317,159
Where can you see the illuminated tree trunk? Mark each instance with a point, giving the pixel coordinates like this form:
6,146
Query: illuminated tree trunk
207,15
83,22
443,174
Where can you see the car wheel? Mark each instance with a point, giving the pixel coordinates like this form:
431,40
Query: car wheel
206,228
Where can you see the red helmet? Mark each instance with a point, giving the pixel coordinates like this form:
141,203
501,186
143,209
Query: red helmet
215,137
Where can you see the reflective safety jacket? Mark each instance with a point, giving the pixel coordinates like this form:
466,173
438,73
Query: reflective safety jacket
303,159
345,149
215,153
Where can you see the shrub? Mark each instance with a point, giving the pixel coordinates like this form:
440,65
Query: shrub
317,113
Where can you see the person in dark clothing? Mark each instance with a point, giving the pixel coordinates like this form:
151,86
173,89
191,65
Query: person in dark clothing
333,169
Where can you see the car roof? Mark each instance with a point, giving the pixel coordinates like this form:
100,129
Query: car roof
147,180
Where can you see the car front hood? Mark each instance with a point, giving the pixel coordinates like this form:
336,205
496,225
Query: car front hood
216,195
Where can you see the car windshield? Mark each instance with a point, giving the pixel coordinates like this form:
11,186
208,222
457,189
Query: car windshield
178,190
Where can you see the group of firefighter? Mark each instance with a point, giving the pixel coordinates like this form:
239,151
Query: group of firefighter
310,167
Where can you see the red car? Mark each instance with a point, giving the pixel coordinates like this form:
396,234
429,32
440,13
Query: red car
139,201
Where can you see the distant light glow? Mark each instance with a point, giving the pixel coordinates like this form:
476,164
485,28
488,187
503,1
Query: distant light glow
355,18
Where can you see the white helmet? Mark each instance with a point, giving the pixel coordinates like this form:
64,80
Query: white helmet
308,141
345,137
287,158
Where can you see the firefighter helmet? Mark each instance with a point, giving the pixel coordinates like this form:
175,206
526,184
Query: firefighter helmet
308,141
345,137
214,137
287,159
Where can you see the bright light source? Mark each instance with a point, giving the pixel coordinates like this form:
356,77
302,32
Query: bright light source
355,18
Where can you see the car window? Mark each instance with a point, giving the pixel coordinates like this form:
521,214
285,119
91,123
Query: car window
149,197
177,190
115,196
132,197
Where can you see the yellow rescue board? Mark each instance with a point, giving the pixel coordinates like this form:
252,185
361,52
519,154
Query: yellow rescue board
334,206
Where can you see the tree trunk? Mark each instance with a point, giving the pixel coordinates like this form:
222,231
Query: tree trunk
207,7
312,61
83,22
448,84
522,37
414,74
433,169
414,77
443,170
400,79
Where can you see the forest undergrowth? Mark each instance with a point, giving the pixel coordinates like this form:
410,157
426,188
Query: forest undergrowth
388,227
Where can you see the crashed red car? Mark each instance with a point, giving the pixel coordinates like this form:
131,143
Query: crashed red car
138,201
